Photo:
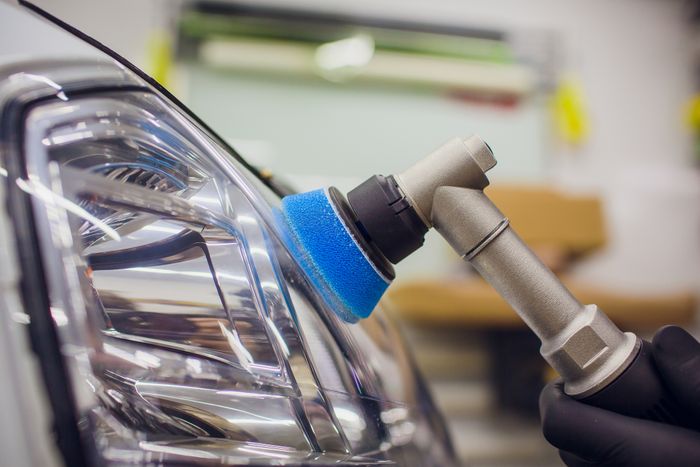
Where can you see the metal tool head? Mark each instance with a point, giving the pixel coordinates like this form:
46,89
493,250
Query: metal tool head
459,163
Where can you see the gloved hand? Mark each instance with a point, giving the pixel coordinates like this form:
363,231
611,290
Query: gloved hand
587,435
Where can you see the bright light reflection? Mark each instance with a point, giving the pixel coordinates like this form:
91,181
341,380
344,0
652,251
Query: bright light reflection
278,336
179,451
205,275
194,365
218,392
259,251
256,420
265,453
71,137
348,415
59,316
394,415
40,191
161,228
124,355
269,285
244,357
150,359
43,79
20,317
206,200
246,219
353,52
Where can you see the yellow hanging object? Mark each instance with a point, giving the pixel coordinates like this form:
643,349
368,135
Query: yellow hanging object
692,114
569,112
160,57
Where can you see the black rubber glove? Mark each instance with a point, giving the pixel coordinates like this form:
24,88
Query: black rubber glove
587,435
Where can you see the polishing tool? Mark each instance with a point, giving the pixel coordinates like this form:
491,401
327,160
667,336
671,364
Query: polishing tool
348,245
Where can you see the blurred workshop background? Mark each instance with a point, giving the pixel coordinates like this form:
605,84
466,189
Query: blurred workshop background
592,108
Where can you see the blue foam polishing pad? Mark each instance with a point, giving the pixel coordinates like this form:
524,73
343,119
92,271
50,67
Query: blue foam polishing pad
333,256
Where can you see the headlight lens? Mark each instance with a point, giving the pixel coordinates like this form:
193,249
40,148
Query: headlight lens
190,333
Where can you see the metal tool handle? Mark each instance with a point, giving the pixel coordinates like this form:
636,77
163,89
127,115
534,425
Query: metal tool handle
600,364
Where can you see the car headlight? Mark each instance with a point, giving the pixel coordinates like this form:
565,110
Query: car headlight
187,331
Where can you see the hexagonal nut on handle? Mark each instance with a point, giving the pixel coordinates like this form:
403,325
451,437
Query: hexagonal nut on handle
590,352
